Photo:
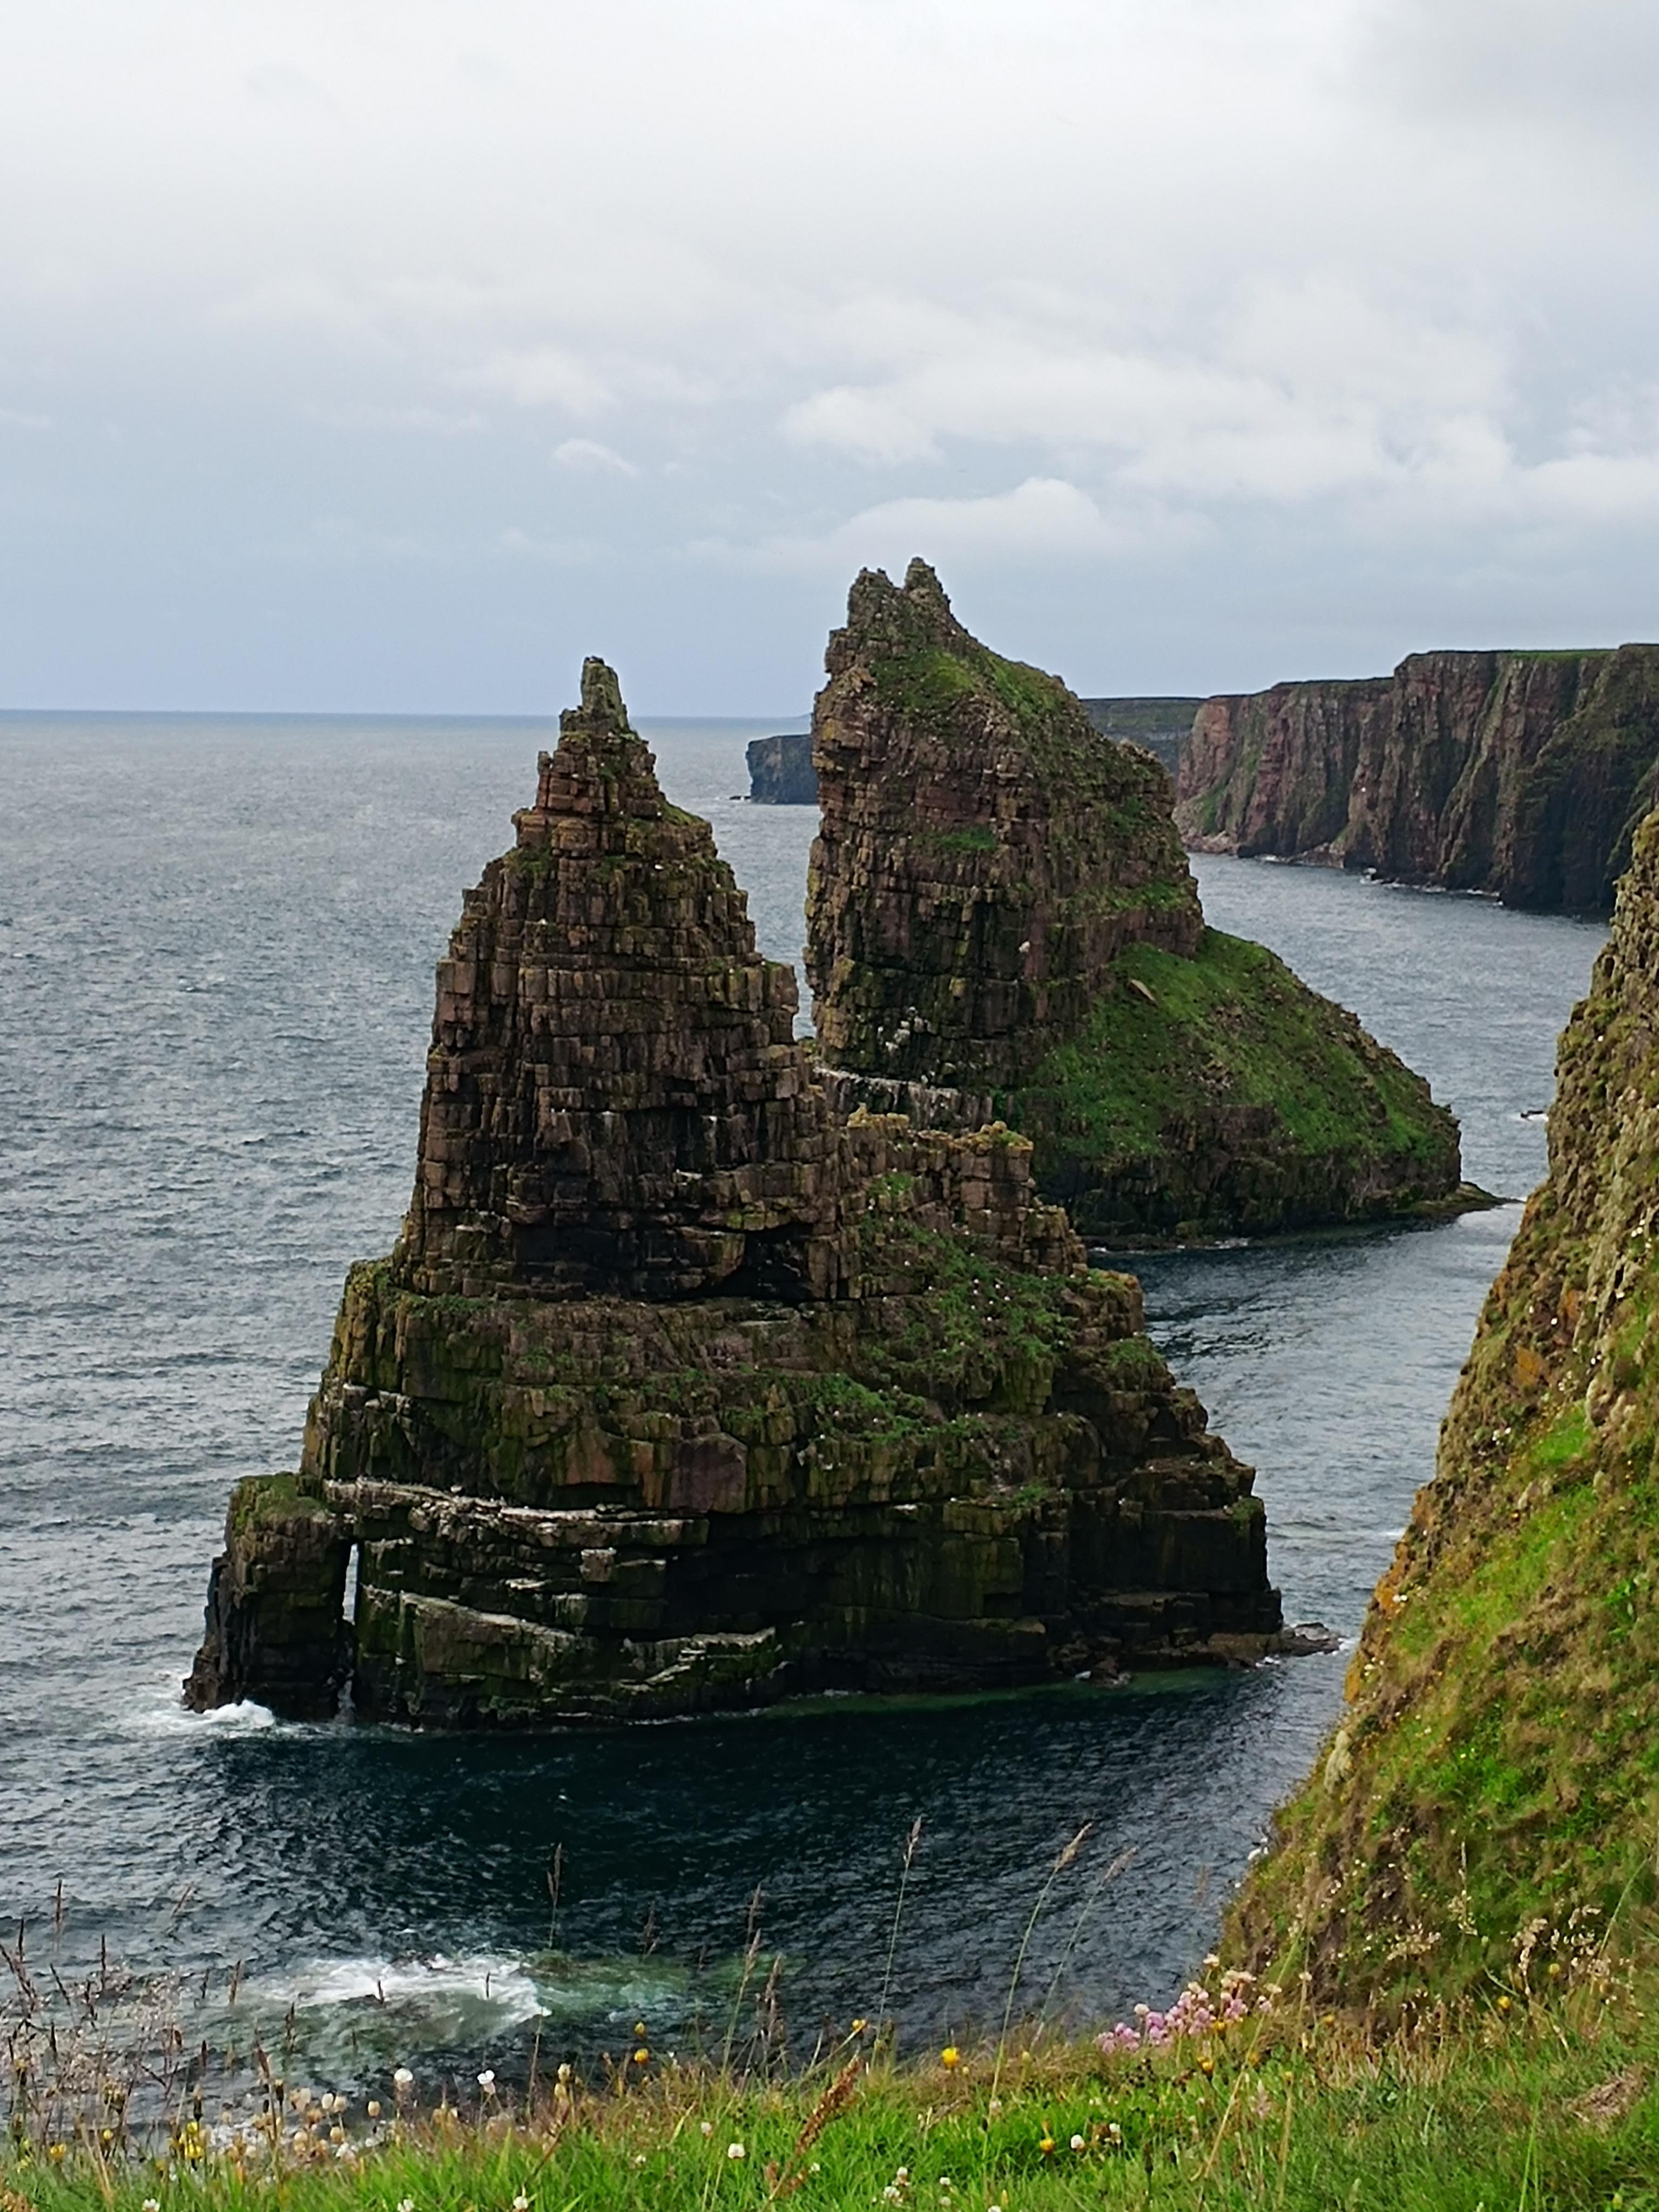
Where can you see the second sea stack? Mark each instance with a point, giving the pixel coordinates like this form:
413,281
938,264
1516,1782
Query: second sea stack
677,1392
1001,921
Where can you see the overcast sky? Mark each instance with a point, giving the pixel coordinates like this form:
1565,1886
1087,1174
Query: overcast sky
393,354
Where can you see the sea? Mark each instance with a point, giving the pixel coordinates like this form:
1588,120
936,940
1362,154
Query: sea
217,936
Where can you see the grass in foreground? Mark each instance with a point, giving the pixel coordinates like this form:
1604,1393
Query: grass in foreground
1235,2099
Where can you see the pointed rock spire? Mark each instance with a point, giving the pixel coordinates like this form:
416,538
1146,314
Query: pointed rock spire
615,1099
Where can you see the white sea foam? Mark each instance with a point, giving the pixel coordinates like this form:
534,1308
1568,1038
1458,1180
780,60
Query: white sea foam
438,1986
405,2006
160,1710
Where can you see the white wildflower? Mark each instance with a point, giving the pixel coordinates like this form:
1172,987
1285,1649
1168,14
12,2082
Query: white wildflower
736,2150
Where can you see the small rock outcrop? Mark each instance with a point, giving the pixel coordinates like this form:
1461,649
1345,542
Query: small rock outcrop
1521,775
680,1390
1483,1817
1001,921
780,771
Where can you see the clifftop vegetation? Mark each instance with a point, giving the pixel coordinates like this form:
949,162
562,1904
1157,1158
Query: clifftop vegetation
1493,1791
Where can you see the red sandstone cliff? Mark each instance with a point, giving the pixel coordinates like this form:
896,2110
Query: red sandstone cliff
1520,774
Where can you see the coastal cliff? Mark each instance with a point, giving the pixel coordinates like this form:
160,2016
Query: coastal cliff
1493,1787
1160,726
1000,920
781,772
1518,774
679,1390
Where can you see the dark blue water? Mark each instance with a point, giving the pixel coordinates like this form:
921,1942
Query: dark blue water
216,941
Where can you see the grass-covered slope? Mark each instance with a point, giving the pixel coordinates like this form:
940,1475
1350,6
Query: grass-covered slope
1220,1093
1492,1784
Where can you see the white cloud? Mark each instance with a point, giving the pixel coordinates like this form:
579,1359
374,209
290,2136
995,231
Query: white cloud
1254,289
1044,520
420,421
543,376
341,539
1299,394
589,456
553,550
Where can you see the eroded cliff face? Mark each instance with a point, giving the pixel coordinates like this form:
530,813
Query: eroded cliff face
681,1390
1000,920
1518,774
1491,1791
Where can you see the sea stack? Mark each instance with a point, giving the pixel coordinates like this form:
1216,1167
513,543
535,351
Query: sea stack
677,1392
1482,1818
1520,774
1001,921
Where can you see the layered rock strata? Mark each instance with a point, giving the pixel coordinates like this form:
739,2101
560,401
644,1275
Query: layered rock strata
1521,775
679,1390
1000,920
780,771
1484,1815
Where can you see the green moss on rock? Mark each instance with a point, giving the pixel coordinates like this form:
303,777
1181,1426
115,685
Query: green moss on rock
1218,1092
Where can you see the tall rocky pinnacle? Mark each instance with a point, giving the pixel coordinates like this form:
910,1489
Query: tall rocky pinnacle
1485,1815
676,1392
1519,774
1001,921
614,1099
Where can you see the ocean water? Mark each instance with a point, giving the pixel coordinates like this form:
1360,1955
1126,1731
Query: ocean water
217,943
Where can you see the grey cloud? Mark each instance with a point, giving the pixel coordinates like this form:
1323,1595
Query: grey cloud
1191,333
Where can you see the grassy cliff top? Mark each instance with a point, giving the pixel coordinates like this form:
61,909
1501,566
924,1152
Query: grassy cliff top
1493,1788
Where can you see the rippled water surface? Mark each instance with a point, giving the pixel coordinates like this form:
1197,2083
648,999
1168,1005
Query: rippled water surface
216,941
